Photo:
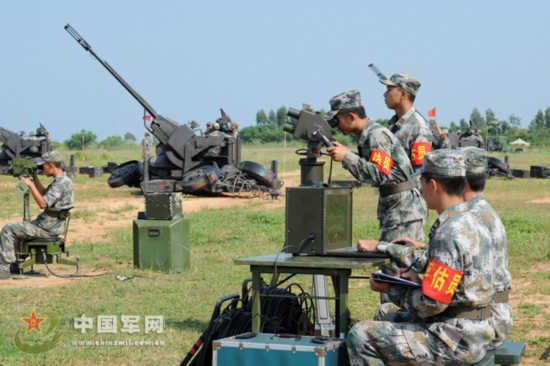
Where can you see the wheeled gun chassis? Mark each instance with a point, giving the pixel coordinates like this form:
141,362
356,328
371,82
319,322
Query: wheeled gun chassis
16,145
185,161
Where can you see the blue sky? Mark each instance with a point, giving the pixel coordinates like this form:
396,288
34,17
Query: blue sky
188,59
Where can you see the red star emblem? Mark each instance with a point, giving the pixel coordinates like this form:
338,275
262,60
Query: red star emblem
33,322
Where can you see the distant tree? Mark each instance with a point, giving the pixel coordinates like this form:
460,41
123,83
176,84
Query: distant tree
490,116
538,122
454,127
547,117
281,116
515,121
464,125
76,140
261,134
383,122
504,127
477,120
111,142
261,117
128,137
272,118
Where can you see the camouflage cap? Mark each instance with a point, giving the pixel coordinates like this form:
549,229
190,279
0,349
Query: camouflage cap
49,157
444,163
404,81
445,131
476,160
345,100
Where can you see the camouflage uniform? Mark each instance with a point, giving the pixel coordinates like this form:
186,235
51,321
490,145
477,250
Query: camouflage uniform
427,332
399,214
59,196
412,127
501,309
446,144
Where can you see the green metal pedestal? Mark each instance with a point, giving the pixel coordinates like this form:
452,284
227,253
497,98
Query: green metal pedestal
162,244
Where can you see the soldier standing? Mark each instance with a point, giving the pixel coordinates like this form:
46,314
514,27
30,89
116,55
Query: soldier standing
479,139
381,162
410,128
445,141
234,129
476,176
446,319
56,200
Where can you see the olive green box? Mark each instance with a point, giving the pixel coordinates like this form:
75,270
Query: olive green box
162,245
163,206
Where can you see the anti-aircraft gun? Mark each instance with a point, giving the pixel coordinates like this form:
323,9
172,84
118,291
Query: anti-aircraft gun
185,161
17,145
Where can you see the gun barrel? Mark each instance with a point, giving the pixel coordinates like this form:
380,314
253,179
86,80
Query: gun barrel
378,73
112,71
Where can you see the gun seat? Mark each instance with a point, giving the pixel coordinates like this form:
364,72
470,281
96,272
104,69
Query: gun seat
45,250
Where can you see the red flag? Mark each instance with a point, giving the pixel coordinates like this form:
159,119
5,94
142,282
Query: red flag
431,112
147,117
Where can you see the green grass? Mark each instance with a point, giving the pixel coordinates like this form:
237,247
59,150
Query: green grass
218,237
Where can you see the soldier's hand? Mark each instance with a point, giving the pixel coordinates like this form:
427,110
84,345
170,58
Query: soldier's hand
408,275
409,242
26,180
367,245
338,151
379,286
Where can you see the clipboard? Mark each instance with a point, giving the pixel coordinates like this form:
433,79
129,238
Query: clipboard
382,277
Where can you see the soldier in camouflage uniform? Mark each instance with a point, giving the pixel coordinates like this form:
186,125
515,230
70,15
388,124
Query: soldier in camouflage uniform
476,165
447,319
56,200
445,141
381,162
410,128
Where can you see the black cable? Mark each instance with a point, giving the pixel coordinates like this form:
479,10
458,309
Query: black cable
77,275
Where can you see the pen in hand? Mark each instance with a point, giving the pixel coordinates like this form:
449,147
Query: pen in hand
412,264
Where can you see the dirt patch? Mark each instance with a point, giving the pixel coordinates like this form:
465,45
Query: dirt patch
93,221
545,200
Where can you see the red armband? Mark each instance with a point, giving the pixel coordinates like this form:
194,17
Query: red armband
383,161
440,281
418,150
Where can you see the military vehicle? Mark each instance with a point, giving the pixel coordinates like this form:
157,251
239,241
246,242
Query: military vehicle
17,145
187,161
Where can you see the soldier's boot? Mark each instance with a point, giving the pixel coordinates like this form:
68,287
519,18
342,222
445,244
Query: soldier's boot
5,273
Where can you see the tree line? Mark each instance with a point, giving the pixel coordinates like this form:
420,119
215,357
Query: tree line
269,129
269,126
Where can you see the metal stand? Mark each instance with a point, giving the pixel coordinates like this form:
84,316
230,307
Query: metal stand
322,314
311,172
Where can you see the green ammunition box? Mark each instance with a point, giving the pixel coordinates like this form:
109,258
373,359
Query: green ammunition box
162,245
163,206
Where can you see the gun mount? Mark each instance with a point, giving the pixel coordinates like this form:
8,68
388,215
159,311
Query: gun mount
17,145
317,131
186,161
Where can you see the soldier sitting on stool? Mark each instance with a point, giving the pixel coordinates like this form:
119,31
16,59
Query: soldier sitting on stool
55,200
447,319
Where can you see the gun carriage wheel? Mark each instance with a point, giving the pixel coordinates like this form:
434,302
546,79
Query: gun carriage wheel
128,173
260,174
201,177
